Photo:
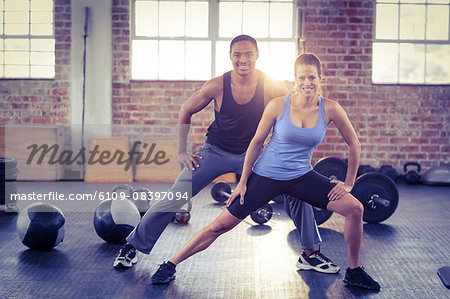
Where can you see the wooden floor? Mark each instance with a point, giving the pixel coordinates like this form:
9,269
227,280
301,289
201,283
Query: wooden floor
253,261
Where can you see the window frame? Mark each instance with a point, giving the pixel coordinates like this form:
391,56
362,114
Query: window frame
399,41
213,34
29,37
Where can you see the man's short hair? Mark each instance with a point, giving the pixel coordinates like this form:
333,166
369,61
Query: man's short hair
243,37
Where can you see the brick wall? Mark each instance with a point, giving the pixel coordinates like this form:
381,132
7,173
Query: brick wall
395,123
143,102
35,101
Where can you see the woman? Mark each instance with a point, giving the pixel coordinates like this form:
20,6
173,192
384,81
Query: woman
299,123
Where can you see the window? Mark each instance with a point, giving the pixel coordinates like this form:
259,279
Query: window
190,40
412,44
26,39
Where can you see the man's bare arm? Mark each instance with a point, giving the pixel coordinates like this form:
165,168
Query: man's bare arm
196,103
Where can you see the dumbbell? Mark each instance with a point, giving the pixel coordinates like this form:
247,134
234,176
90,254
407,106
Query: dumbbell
222,191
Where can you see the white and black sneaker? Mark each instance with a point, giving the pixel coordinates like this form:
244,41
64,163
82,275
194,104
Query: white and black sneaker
126,258
316,261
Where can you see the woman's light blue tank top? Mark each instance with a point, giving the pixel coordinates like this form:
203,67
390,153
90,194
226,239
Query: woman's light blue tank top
288,154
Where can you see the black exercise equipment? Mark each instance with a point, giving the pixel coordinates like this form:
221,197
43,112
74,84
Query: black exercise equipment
412,176
364,168
7,163
141,198
41,226
389,171
222,191
115,219
8,184
184,214
117,194
436,176
263,214
376,191
334,169
83,103
379,195
444,274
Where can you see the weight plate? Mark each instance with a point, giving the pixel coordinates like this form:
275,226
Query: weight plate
217,188
374,183
332,168
6,163
364,168
263,214
321,215
8,186
389,171
8,174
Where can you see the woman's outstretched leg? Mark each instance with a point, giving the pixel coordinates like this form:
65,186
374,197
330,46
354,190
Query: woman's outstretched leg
200,241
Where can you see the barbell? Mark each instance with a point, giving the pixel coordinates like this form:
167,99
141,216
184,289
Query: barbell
376,191
222,191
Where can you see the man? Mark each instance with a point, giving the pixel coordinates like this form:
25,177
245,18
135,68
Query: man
239,100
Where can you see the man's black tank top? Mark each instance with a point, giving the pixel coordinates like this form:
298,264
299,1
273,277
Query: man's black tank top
235,125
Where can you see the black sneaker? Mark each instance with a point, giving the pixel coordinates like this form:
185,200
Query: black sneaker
318,262
164,274
126,258
359,278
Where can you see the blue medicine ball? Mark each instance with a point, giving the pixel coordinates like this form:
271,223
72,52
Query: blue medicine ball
115,219
41,226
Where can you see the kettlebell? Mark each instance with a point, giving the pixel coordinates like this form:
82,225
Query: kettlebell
411,176
184,214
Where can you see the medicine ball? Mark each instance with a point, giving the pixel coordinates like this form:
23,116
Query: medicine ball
115,219
41,226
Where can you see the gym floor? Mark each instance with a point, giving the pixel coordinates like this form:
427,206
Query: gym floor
253,261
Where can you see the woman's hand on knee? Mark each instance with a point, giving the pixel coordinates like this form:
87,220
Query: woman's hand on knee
238,191
339,190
